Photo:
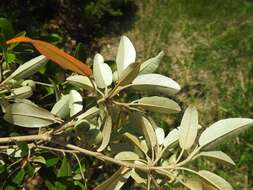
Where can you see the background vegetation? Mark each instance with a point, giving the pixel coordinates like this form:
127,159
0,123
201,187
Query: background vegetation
208,47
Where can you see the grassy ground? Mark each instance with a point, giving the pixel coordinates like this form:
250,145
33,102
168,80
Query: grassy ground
209,51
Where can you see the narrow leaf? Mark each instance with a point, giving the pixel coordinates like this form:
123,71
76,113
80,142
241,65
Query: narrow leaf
90,113
80,81
217,155
126,155
28,68
28,115
157,104
137,178
106,133
188,128
135,141
149,132
56,55
116,181
151,64
159,135
102,72
21,92
155,83
222,129
126,54
215,180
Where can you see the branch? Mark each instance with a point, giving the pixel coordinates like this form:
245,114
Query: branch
43,137
102,157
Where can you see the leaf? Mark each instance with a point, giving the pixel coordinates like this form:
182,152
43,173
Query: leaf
10,57
28,115
21,92
52,161
188,128
125,56
16,152
192,184
90,113
65,169
102,72
18,178
155,83
116,181
106,133
217,155
157,104
159,135
148,132
75,102
151,64
6,28
56,55
61,108
171,138
80,81
39,159
215,180
135,141
222,129
126,155
129,74
28,68
137,178
79,184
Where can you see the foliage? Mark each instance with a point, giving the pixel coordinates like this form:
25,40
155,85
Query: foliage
79,19
95,115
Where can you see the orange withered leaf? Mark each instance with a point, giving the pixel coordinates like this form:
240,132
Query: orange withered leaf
56,55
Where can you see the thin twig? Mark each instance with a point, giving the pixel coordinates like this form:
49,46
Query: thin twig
44,137
80,166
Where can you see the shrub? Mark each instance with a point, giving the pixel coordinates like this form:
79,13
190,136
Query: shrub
95,116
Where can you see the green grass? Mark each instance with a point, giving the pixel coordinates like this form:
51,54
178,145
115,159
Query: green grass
209,48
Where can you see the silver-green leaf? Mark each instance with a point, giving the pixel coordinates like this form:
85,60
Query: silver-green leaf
80,81
135,141
151,64
215,180
116,181
75,102
157,104
126,155
106,133
155,83
21,92
222,129
29,115
29,68
216,155
61,108
188,128
171,138
149,132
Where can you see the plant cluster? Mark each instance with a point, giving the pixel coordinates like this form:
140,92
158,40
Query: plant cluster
105,114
